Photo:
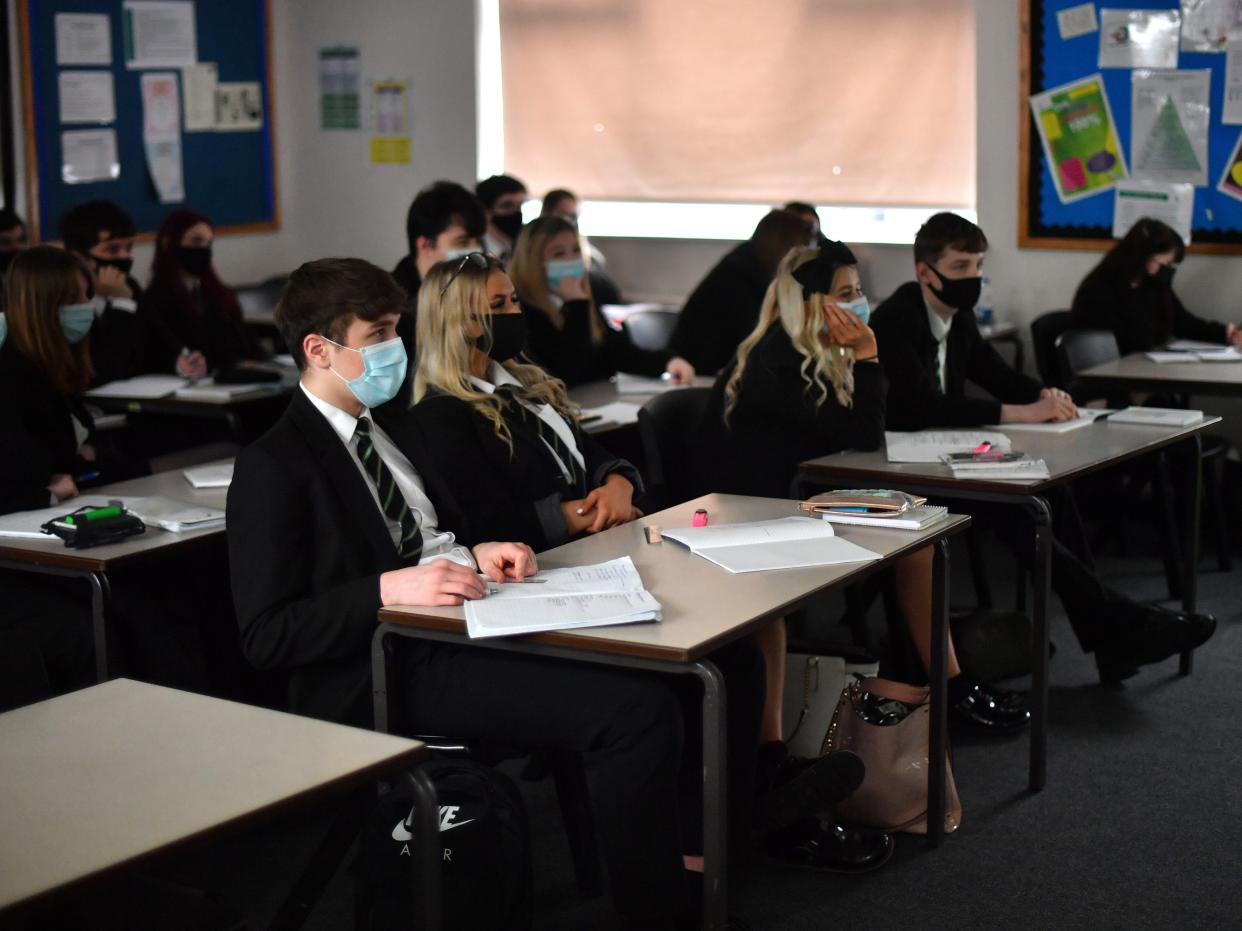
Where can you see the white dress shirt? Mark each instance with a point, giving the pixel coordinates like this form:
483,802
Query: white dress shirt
940,333
437,544
500,375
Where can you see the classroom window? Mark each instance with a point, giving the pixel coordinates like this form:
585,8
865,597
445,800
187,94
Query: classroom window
856,103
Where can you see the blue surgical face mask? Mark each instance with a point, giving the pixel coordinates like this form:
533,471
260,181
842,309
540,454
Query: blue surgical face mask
452,255
4,329
859,308
559,269
76,320
383,371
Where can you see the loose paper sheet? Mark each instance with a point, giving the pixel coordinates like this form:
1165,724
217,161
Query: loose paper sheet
1231,110
239,106
83,39
1079,136
159,34
1231,178
1139,38
88,155
1206,24
86,97
1077,21
1169,118
340,88
161,134
198,89
1173,204
930,445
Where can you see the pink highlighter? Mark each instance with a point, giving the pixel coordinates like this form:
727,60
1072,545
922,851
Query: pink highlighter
700,518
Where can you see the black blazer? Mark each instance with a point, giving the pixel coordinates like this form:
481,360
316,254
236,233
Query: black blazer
1142,318
908,355
776,425
36,433
570,355
504,495
122,346
307,546
721,311
215,333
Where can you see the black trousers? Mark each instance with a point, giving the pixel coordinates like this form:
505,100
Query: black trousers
631,728
47,646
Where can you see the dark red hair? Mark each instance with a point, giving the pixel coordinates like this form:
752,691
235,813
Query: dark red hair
168,277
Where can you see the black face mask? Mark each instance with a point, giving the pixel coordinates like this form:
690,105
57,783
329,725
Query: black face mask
958,293
1164,275
196,260
508,337
123,265
508,223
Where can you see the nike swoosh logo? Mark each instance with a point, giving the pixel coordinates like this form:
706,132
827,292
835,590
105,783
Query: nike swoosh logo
401,832
456,824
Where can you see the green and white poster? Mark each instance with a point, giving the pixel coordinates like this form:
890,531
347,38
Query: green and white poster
1080,141
340,91
1170,112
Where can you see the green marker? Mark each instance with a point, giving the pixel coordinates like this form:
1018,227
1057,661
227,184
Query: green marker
97,514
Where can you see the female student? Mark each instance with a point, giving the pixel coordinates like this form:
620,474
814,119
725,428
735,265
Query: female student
562,203
807,382
568,335
186,304
1131,293
505,434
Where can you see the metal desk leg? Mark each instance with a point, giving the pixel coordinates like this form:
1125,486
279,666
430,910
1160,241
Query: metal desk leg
1039,644
937,743
715,794
381,657
428,891
1190,580
101,594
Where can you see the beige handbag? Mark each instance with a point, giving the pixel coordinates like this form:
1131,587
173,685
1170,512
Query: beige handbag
893,796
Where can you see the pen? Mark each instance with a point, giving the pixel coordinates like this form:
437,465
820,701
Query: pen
88,476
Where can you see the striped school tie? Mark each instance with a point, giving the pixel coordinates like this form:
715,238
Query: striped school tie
578,484
410,546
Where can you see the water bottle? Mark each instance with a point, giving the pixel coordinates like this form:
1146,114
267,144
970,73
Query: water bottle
983,310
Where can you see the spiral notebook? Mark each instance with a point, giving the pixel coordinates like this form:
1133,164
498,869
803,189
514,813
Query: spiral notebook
919,518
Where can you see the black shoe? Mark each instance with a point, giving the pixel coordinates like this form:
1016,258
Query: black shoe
1113,667
1160,633
822,845
813,790
982,710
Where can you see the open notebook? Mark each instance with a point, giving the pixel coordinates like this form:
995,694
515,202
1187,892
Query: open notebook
783,543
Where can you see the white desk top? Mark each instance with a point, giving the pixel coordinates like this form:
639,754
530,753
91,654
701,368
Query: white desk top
99,778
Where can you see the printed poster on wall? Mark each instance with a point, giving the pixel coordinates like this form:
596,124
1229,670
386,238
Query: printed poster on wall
1173,204
159,34
161,134
1169,119
1206,24
391,143
340,88
1139,38
1075,123
1231,179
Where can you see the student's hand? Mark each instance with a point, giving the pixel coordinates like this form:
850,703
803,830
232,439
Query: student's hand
681,371
1055,393
576,519
63,487
573,289
500,561
1051,409
845,329
610,504
192,366
110,282
1233,336
439,582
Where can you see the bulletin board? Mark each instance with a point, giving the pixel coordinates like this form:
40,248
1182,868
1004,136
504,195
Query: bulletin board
1048,61
230,175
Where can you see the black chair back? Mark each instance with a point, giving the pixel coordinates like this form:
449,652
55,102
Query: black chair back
1081,349
667,424
258,301
1044,332
650,329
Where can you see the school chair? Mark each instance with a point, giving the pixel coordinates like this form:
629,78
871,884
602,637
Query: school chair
650,329
667,425
1044,332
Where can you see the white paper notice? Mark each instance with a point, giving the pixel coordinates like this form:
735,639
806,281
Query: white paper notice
159,34
86,97
1139,38
161,134
83,39
1174,204
1077,21
88,155
198,88
1231,111
239,107
1206,24
1169,125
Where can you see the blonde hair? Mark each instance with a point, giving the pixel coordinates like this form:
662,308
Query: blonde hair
443,348
530,278
822,366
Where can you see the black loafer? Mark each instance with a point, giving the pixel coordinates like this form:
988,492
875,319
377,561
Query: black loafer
981,711
1154,634
813,790
822,845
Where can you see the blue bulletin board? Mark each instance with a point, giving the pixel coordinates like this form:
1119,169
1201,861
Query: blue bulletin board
1087,223
230,175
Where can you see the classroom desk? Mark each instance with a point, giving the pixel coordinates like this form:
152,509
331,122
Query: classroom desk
1069,456
704,608
1136,372
52,557
1005,332
118,773
599,393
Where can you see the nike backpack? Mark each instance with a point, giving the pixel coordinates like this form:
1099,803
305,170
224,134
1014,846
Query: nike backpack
485,865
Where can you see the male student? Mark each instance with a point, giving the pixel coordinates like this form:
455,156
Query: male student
101,234
502,197
330,519
930,345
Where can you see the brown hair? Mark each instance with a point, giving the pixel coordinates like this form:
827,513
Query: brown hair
40,281
944,231
325,296
777,233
